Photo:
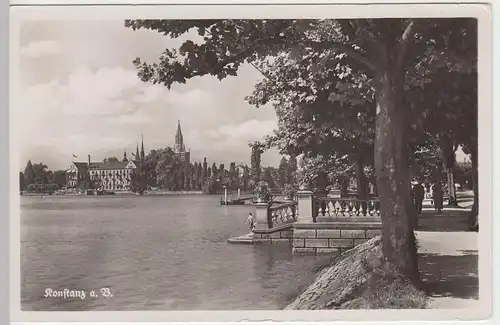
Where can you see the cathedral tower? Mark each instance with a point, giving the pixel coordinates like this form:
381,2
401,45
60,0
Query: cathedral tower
179,147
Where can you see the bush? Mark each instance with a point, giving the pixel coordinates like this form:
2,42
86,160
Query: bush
288,191
262,190
42,188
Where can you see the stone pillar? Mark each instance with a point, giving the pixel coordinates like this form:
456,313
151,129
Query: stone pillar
239,193
305,205
260,218
225,194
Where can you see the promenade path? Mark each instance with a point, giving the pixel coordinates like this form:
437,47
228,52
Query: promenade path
448,255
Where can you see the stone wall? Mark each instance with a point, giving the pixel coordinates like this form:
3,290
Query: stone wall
333,237
281,234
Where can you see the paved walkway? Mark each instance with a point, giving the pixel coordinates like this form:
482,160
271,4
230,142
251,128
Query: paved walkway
448,256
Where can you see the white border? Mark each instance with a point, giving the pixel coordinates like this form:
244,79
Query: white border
482,12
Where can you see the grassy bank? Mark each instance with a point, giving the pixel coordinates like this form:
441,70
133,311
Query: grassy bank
357,279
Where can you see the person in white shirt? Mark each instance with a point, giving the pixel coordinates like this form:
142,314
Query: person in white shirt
250,221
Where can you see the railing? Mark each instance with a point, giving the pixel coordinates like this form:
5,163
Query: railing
282,213
346,207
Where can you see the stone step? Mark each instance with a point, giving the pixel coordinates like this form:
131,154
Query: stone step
245,239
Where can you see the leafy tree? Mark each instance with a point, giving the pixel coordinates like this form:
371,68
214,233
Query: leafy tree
41,173
268,176
194,176
463,174
29,174
283,170
204,173
255,160
187,176
59,178
246,178
111,160
391,52
214,172
233,176
167,168
22,185
208,186
221,172
201,176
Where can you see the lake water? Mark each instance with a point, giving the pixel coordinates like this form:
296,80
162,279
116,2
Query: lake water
154,253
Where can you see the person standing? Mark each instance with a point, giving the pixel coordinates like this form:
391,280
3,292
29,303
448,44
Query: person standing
437,196
250,221
418,196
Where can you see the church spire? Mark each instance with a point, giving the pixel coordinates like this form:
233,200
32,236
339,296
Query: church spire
142,147
125,155
137,157
179,141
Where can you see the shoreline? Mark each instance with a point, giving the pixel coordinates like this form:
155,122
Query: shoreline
117,194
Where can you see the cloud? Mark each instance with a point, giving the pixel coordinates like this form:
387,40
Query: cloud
38,49
85,93
105,110
250,130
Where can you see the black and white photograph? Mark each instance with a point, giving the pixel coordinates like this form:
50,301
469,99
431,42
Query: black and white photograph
215,164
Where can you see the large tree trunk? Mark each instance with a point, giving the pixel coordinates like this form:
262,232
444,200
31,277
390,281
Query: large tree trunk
448,155
391,164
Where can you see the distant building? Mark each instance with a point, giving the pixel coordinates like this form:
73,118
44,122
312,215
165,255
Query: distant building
107,176
76,174
179,147
110,176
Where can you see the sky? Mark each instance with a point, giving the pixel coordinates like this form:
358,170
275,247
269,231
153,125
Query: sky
80,95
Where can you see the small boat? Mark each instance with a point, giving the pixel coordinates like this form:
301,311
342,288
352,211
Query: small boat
232,202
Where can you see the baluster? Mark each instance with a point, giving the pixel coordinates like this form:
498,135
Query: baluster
331,209
358,209
363,205
343,205
320,211
351,208
338,207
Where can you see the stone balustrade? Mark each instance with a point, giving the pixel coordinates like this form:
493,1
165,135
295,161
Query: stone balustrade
282,213
321,225
346,207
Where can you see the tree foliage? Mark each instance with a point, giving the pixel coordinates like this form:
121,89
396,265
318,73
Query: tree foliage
111,160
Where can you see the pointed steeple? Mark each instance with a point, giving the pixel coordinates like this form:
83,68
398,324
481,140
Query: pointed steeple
142,147
125,155
137,157
179,141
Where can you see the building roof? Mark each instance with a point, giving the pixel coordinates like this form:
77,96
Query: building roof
109,165
80,164
103,165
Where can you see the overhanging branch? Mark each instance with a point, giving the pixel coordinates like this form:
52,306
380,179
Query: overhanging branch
346,49
404,40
